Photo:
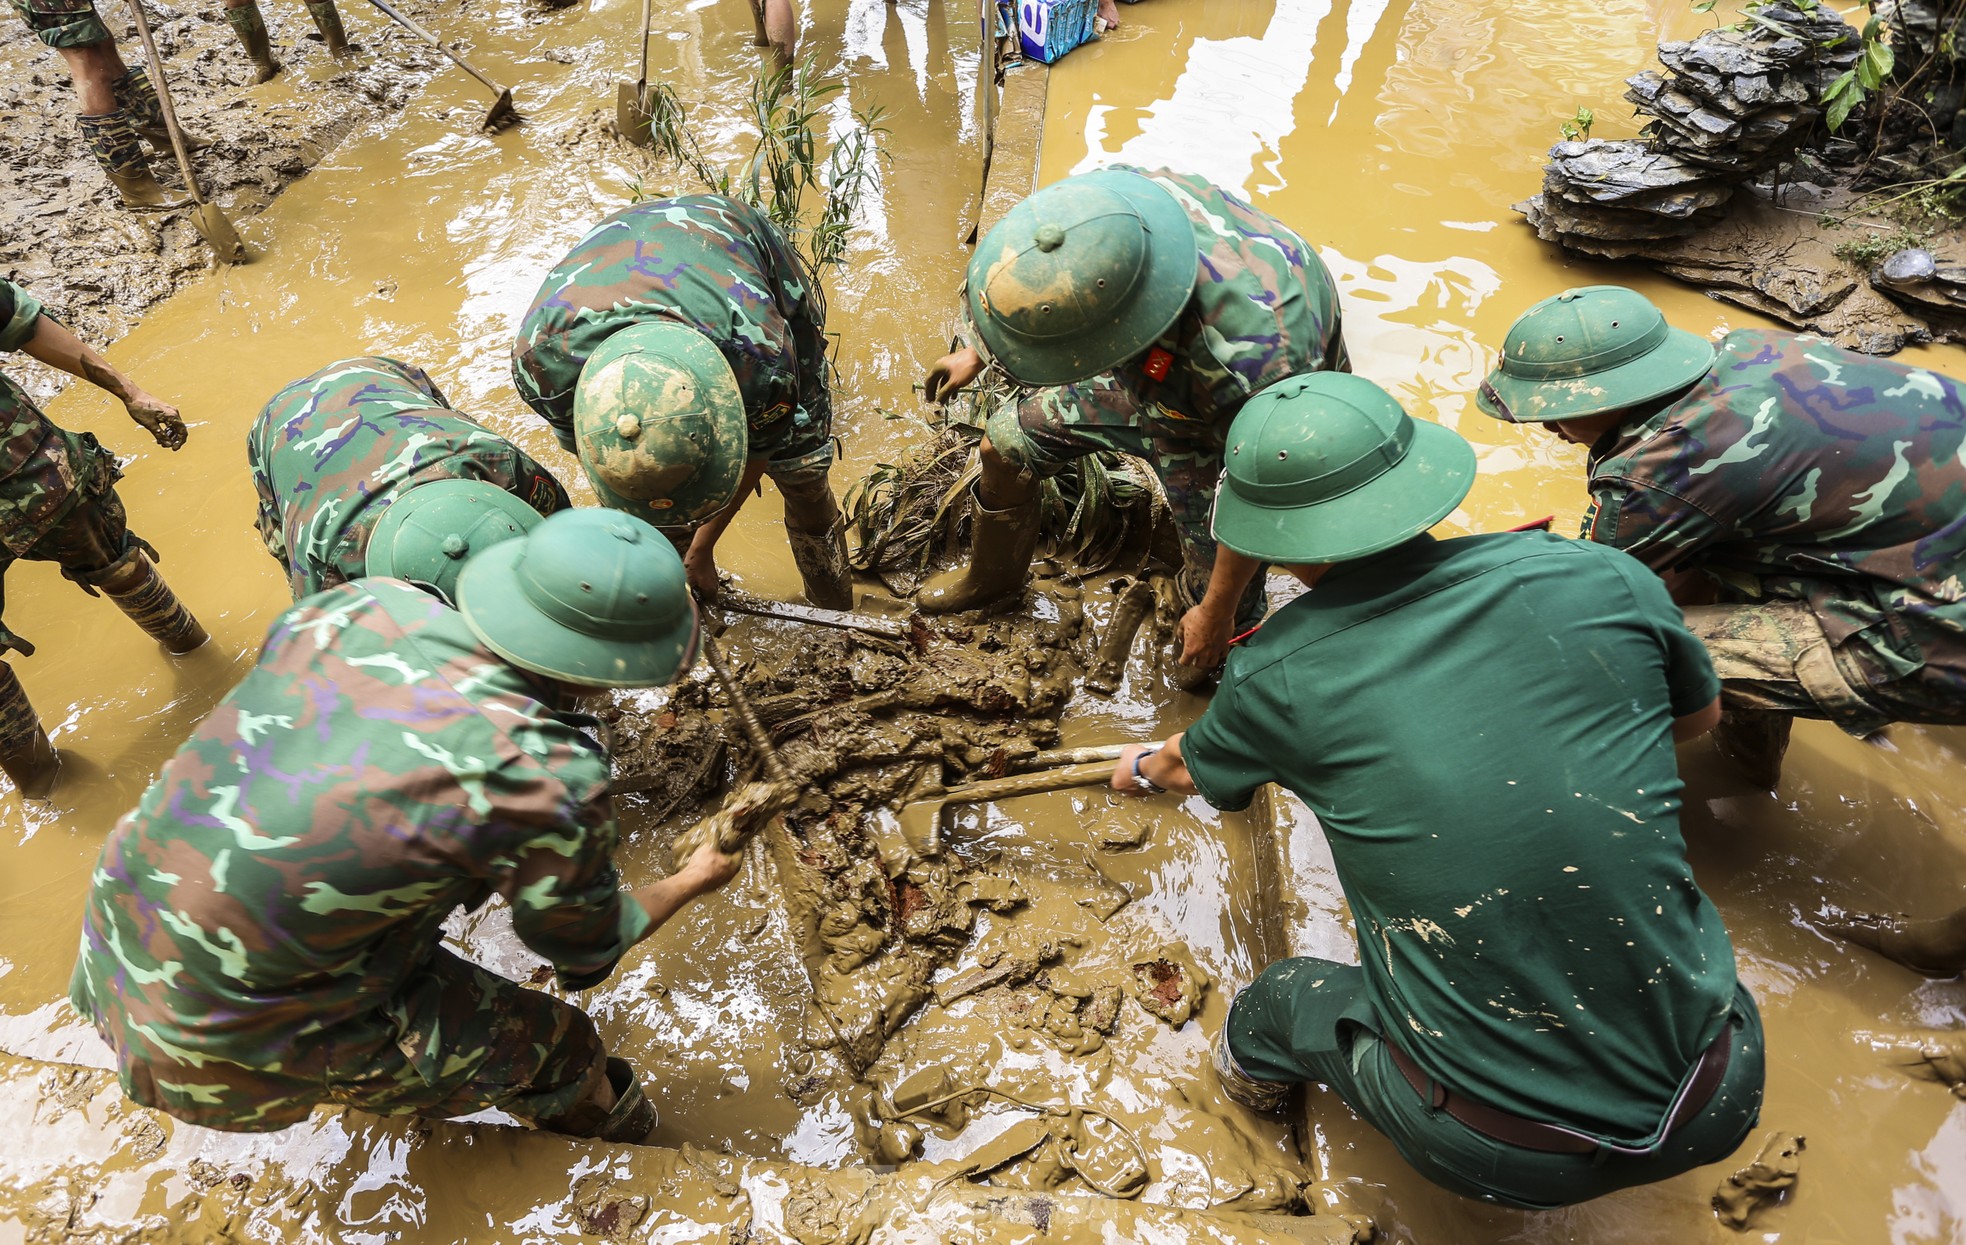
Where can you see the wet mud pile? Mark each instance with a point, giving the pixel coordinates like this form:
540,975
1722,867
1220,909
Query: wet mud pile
99,267
874,731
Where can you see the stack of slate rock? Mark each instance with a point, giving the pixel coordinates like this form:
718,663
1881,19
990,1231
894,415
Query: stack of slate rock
1731,105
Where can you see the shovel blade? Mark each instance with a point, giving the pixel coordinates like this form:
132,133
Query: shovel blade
502,114
218,233
632,117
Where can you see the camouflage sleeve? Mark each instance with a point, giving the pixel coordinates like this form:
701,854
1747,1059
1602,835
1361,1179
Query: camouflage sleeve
566,896
1226,751
1659,528
267,519
18,312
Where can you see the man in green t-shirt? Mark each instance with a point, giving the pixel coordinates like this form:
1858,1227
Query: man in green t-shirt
1547,1009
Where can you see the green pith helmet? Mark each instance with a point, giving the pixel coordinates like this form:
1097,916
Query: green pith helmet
427,532
659,424
589,596
1326,467
1082,276
1588,351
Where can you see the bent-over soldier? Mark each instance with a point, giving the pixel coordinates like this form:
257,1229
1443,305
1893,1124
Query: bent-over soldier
264,930
679,349
58,504
363,469
1547,1007
1149,306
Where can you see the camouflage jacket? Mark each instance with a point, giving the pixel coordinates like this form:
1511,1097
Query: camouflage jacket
705,261
332,450
44,469
293,863
1797,469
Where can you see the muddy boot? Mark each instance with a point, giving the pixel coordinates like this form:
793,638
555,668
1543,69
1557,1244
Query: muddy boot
138,99
1936,948
630,1120
821,559
1000,551
1242,1087
1755,740
250,25
141,592
25,752
116,148
327,20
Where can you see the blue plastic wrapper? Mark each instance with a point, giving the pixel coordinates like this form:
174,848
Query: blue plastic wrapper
1047,29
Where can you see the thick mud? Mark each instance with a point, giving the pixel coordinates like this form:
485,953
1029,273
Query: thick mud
1071,955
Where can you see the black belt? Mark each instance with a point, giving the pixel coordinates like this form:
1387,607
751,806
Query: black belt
1524,1134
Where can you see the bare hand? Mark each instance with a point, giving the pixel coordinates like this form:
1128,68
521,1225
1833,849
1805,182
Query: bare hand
1205,637
1122,780
159,418
710,868
701,568
951,372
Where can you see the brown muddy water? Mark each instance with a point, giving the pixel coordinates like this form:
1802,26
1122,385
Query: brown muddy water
1394,135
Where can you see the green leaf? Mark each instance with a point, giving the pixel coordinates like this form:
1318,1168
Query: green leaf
1882,57
1704,6
1839,109
1846,81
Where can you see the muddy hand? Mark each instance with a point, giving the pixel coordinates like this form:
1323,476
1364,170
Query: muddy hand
701,568
1205,638
159,418
709,868
951,372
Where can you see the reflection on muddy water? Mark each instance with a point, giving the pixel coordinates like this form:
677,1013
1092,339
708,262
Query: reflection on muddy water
1394,135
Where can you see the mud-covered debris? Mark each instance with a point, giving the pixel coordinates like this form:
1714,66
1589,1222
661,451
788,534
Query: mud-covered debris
1014,964
1761,1183
602,1208
1170,984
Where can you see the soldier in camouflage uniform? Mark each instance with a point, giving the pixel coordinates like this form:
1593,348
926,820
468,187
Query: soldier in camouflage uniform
680,350
363,469
1148,306
264,930
1806,504
58,504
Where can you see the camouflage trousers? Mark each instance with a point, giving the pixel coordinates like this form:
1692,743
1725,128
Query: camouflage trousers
89,542
454,1039
1046,429
1773,656
63,23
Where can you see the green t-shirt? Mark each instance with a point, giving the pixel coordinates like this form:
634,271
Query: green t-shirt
1483,728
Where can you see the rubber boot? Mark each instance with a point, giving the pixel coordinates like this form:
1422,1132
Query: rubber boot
25,753
141,592
1934,947
138,99
115,146
1755,740
821,559
630,1120
327,20
250,25
1000,551
1242,1087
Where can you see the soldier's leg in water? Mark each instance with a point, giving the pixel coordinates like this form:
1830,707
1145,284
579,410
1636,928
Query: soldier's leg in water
1026,441
327,20
95,548
1775,665
799,451
1935,947
74,29
700,555
250,25
25,753
781,27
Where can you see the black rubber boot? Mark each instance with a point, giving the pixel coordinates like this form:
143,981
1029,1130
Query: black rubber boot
138,99
1001,546
140,592
114,144
250,25
1755,740
25,753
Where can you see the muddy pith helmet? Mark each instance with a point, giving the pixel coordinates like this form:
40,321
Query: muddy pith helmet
1327,467
659,424
589,597
427,532
1587,351
1082,276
